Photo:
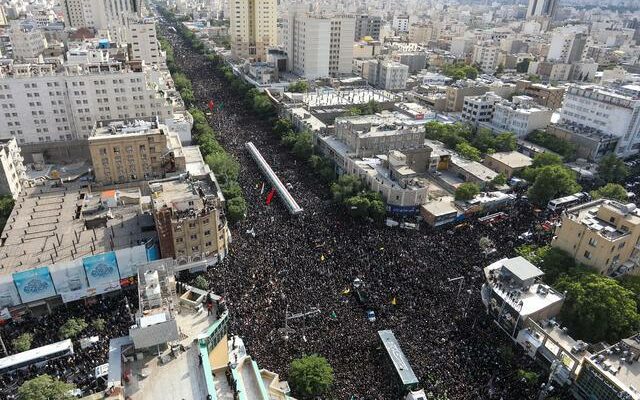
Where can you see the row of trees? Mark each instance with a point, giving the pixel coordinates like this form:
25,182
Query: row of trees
566,149
466,142
597,308
348,190
224,165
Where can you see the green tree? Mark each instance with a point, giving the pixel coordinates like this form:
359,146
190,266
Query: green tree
523,66
566,149
181,81
468,151
467,191
231,189
346,186
6,206
299,87
544,159
44,387
553,261
506,141
201,283
528,377
377,209
282,127
72,328
223,165
358,206
236,209
303,147
597,308
310,376
552,181
534,78
22,342
499,180
99,324
611,191
611,169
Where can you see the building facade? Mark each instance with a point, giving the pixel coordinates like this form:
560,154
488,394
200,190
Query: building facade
44,104
602,235
393,75
253,28
367,25
13,172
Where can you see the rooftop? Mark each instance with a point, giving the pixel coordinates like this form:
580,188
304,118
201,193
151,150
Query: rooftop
331,98
186,193
513,159
522,269
596,215
139,127
619,363
442,206
55,222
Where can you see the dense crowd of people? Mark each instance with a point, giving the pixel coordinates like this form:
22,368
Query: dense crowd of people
281,265
79,368
278,262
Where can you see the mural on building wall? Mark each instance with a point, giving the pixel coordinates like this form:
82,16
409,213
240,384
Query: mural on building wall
34,284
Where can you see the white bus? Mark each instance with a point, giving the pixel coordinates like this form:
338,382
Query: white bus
567,201
37,356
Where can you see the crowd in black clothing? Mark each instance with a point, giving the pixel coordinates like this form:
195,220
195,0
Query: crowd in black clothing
78,368
278,263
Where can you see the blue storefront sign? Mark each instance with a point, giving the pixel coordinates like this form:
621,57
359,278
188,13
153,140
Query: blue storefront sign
34,284
101,269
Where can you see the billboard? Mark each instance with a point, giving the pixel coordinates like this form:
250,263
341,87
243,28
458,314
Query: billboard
34,284
69,276
102,269
129,259
8,292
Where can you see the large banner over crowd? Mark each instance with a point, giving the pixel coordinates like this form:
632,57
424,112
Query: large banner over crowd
76,279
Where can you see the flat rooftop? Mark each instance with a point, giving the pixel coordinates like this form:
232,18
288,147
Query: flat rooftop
589,215
513,159
48,225
613,363
442,206
136,127
330,97
170,193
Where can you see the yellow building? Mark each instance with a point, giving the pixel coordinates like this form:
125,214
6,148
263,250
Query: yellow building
253,28
129,151
603,235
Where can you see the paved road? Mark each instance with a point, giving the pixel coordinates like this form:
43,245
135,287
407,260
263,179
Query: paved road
308,261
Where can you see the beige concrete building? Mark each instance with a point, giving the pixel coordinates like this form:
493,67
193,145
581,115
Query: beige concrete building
133,151
603,235
190,219
507,162
12,170
253,28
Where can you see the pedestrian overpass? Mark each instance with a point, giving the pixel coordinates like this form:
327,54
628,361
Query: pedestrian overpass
284,194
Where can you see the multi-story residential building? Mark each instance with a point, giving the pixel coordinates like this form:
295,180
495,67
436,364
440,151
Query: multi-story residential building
341,45
486,56
520,116
129,151
463,88
567,44
416,61
319,46
190,220
27,41
400,23
507,162
605,111
367,25
253,28
12,172
393,75
545,95
477,109
542,8
103,15
43,104
423,33
142,42
603,235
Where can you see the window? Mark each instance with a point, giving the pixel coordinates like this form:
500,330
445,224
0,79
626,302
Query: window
587,255
593,242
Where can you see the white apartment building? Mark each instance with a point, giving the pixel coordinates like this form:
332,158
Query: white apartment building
27,40
567,44
341,45
521,117
400,23
486,55
253,28
12,171
41,104
319,46
607,112
477,109
143,42
393,75
109,15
